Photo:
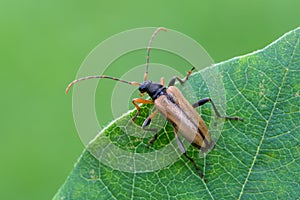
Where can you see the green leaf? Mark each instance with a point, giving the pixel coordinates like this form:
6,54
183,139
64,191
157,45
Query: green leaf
255,159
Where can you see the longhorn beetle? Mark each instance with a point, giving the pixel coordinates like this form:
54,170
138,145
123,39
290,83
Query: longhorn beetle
173,106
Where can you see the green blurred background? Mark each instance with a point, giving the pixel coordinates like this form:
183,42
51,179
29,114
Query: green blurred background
43,44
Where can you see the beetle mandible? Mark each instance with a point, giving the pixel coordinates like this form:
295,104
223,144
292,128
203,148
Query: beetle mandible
173,106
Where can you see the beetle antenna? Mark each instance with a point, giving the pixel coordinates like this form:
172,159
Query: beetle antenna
103,76
149,48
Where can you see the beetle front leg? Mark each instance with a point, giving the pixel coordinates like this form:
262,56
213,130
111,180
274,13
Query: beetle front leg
136,102
182,81
205,100
182,149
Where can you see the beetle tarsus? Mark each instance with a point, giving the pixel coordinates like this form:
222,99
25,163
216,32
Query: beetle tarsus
182,81
152,140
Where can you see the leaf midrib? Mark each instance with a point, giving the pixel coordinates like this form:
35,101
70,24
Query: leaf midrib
267,122
263,136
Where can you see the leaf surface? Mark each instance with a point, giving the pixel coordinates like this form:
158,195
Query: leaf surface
255,159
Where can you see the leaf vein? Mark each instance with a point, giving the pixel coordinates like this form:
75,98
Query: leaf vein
263,135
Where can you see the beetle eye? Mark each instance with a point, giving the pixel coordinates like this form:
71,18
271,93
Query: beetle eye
142,89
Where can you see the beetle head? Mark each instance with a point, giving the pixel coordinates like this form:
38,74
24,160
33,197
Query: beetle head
144,87
152,89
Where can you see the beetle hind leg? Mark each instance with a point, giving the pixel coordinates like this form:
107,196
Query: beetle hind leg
205,100
182,149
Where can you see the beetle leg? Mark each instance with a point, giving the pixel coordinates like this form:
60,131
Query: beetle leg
146,123
205,100
136,102
182,149
182,81
162,81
